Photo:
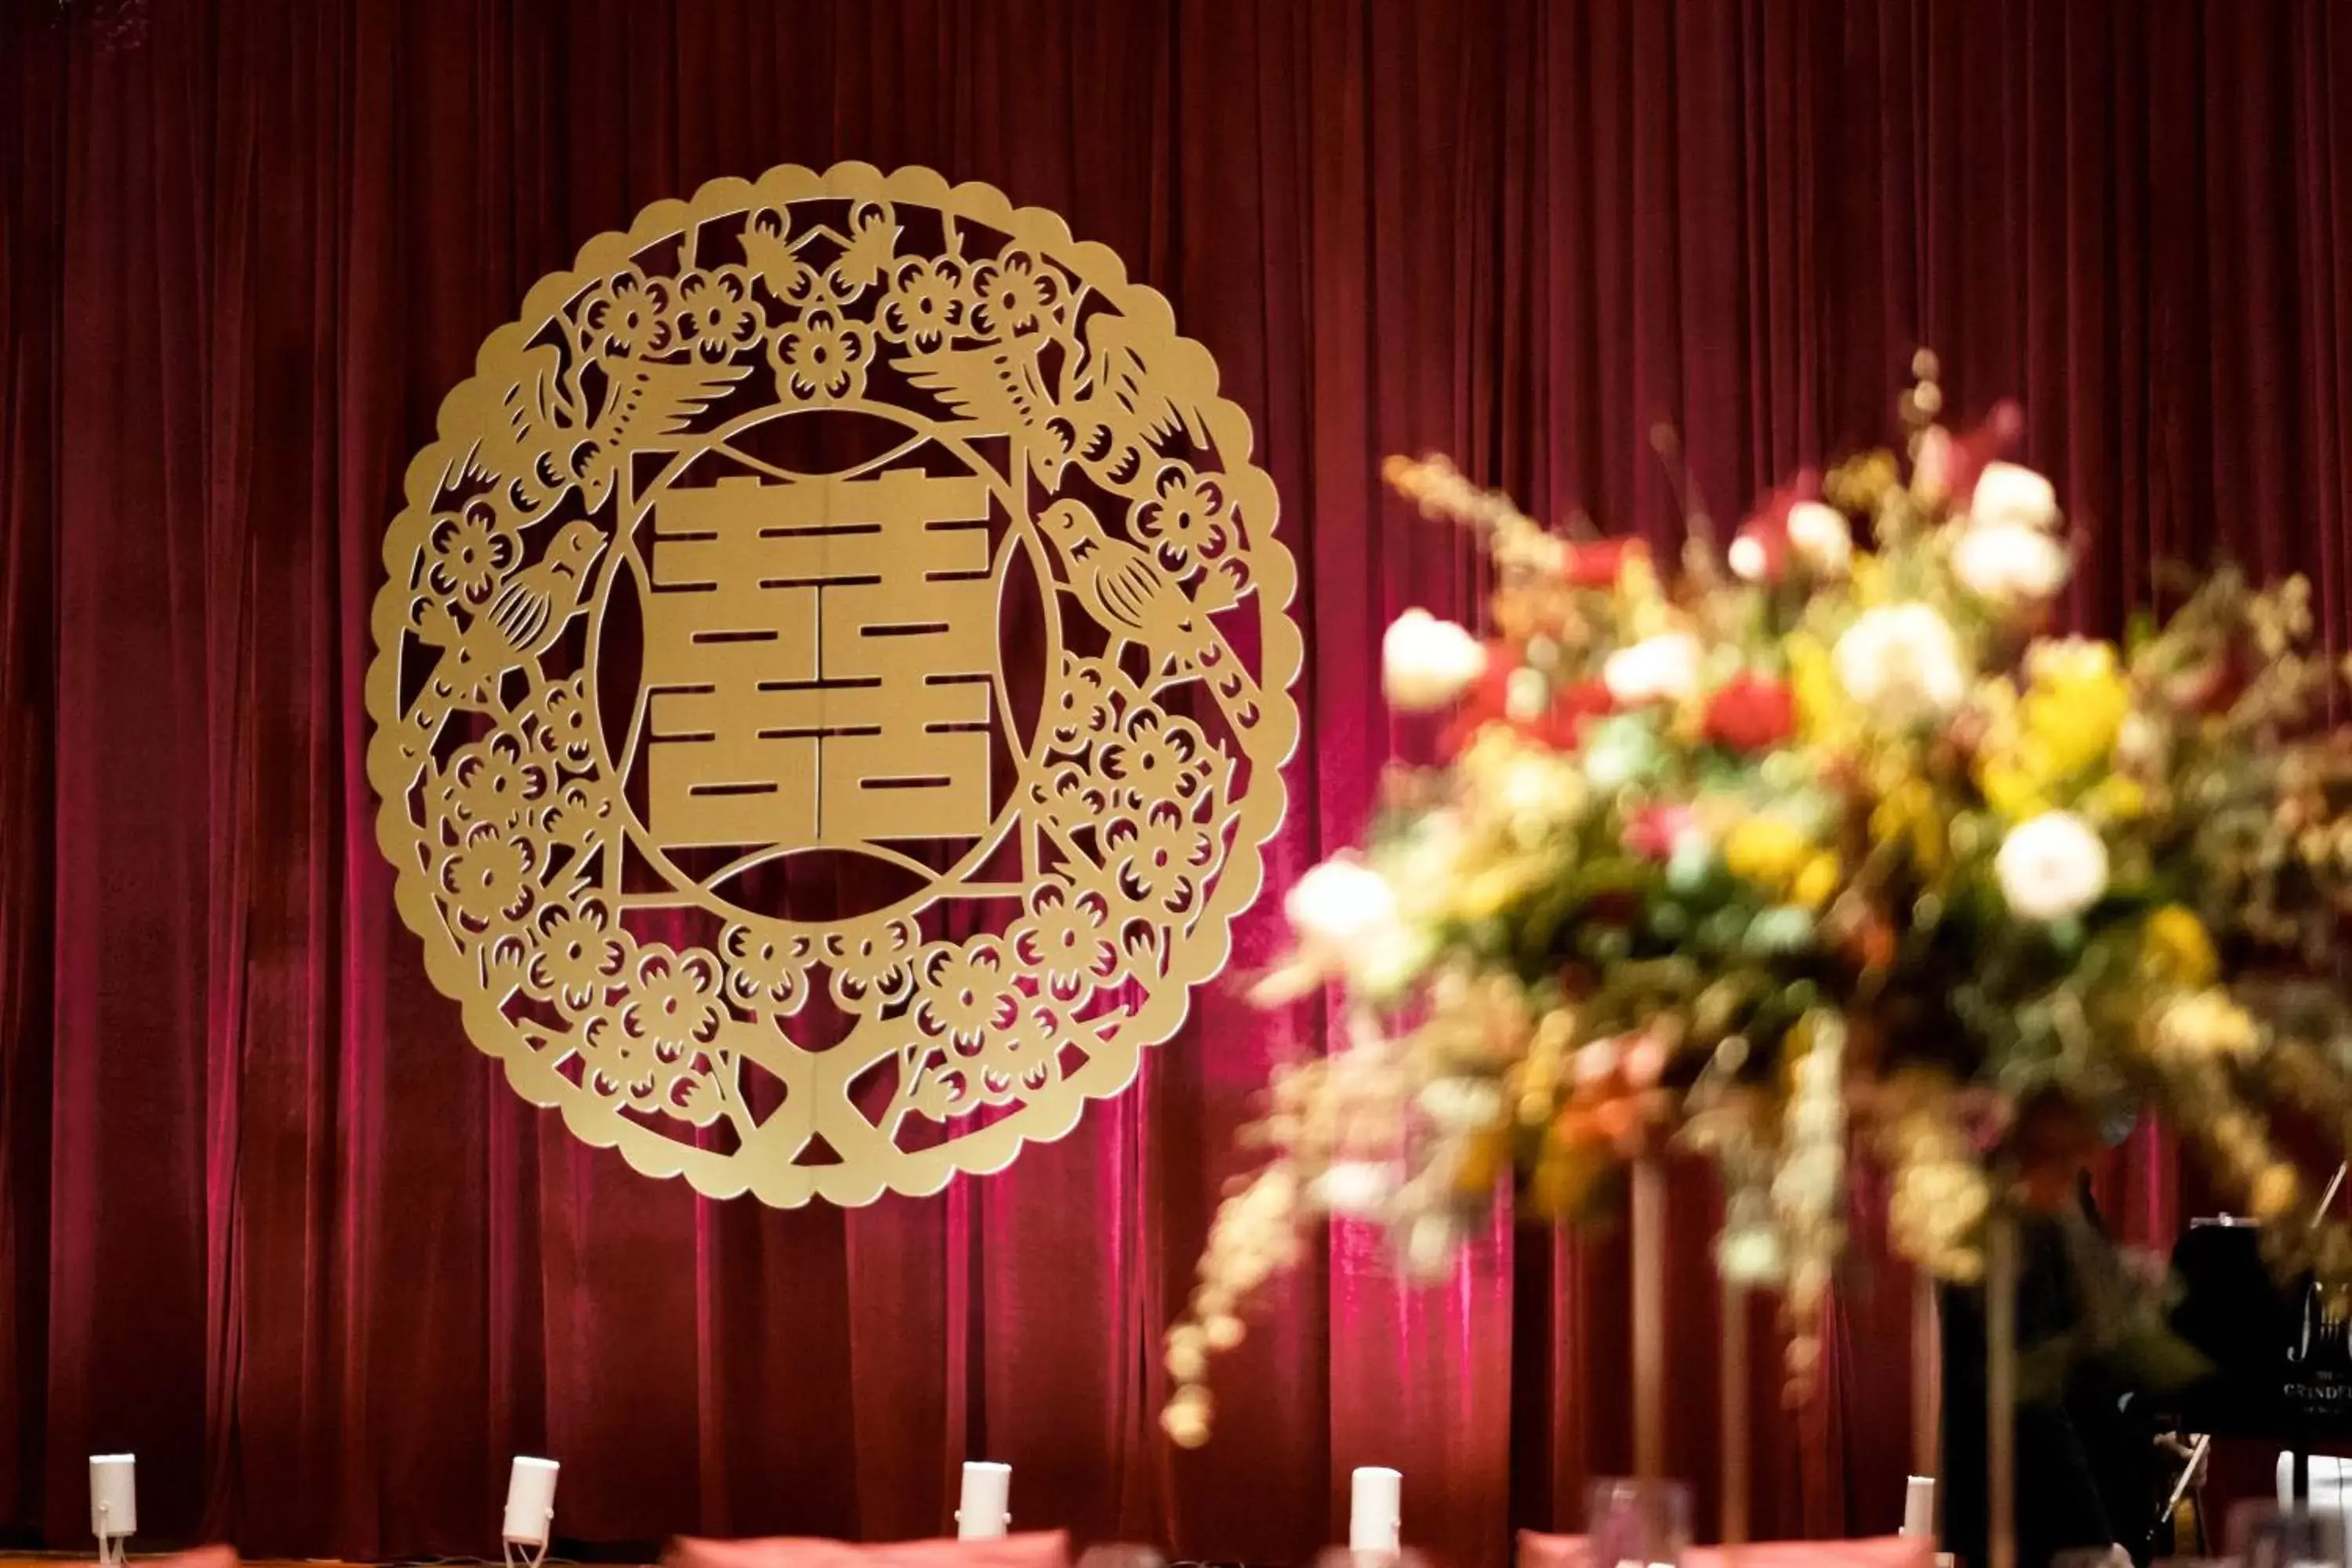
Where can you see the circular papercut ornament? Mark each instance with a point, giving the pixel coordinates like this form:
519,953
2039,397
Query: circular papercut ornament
832,685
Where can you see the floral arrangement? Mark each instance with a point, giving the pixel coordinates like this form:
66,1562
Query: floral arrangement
1821,846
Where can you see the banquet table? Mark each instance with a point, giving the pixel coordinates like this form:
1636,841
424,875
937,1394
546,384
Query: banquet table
1540,1551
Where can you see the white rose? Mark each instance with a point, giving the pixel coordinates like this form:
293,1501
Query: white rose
1353,1189
1426,663
1809,1180
1525,695
1596,1059
1429,1246
1385,963
1931,464
2141,744
2012,493
1457,1104
1902,663
1819,536
1749,1255
1341,905
2008,562
1663,669
2052,868
1747,558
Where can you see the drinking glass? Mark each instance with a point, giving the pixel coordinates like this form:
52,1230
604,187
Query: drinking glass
2264,1535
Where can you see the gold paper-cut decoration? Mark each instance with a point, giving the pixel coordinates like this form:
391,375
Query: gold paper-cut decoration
832,685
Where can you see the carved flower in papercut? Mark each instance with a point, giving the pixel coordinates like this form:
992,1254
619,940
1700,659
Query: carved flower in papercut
1157,757
1162,856
1072,794
719,313
927,301
631,315
567,726
470,551
1016,1055
488,876
580,815
580,953
765,970
694,1099
674,1001
1067,937
1185,519
823,355
870,965
873,235
621,1063
1016,294
965,989
1026,1050
494,781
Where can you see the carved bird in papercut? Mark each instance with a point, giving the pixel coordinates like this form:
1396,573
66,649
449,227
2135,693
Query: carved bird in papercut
1098,411
551,442
1136,598
522,622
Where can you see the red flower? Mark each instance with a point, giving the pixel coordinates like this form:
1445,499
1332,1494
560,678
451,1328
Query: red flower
1760,552
1570,706
1751,713
1597,564
1652,832
1488,702
2212,685
1948,465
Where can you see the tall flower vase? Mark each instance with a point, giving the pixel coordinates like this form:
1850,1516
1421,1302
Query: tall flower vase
1734,1400
2001,1387
1649,1319
1926,1375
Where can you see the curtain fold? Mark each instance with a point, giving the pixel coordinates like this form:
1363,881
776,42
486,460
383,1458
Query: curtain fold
267,1218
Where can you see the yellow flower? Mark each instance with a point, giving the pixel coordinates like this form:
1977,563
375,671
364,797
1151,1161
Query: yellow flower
1486,892
1907,814
2010,789
1766,850
1637,580
1825,716
2206,1023
2175,948
1484,1157
1870,587
2116,799
1816,882
2273,1191
2073,661
2076,706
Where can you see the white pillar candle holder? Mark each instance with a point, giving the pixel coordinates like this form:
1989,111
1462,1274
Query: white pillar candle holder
1376,1510
113,1504
530,1510
1920,1507
985,1510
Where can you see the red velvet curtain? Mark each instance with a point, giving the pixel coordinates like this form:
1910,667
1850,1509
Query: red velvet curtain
268,1219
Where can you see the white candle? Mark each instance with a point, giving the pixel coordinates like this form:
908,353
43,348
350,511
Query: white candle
1376,1510
982,1513
1919,1506
531,1500
113,1496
